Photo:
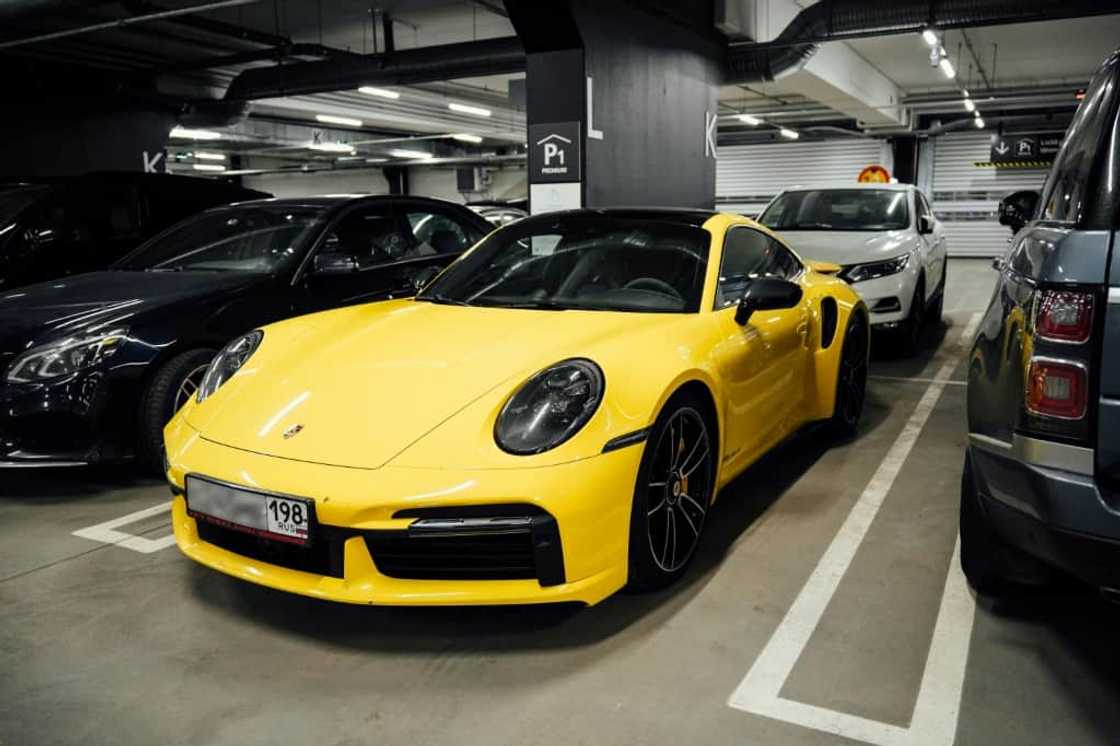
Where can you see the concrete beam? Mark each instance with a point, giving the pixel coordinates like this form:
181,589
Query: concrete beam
835,76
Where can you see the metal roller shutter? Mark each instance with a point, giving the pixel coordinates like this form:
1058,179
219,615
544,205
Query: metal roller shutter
965,196
749,176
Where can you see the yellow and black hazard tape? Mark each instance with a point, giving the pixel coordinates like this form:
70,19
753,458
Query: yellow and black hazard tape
1013,164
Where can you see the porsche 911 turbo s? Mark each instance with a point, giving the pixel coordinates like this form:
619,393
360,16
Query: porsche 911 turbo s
549,420
93,366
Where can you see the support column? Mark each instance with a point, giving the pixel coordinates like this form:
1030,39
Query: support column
621,102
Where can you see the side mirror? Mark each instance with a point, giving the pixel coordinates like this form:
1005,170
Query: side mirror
925,225
1017,209
824,268
766,294
334,264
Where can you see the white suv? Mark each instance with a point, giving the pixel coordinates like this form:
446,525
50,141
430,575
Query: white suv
891,247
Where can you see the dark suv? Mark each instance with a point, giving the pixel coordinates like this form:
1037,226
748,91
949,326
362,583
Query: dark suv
51,229
1041,485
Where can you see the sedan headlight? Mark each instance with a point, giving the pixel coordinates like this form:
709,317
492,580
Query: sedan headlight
874,270
550,407
64,357
228,361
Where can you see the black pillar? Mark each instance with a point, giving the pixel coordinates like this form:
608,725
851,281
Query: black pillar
642,135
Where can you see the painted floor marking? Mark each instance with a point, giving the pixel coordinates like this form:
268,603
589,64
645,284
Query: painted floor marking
934,720
906,379
107,532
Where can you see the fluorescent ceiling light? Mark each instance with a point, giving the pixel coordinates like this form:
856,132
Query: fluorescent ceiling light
208,167
467,138
376,160
965,93
979,123
382,92
331,147
201,156
947,68
751,120
182,133
478,111
410,153
968,105
332,119
930,37
788,133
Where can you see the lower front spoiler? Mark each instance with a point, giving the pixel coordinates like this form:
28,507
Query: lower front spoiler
363,584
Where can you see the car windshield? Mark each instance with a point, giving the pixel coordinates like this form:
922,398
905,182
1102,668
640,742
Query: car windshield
246,238
13,201
838,210
581,262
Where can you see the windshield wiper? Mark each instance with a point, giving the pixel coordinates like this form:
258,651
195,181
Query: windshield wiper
810,226
442,300
177,268
548,305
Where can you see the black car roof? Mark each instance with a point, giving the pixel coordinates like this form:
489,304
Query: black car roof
332,200
682,215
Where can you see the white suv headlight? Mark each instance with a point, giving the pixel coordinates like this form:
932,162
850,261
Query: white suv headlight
64,357
874,270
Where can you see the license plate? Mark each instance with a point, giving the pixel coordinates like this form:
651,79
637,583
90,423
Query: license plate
260,513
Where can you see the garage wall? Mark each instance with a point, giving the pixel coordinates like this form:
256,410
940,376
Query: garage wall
965,197
508,183
749,176
364,181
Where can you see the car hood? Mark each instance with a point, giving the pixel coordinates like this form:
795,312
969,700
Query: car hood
97,301
364,383
849,247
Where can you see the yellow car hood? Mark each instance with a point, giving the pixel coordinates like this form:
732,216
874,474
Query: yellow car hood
356,386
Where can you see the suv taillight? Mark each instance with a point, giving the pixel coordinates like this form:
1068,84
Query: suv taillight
1064,316
1057,388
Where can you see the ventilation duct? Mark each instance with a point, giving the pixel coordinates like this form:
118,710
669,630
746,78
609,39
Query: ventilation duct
401,67
837,20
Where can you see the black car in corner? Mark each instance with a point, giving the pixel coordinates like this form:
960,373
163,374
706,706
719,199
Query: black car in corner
93,366
61,227
1041,484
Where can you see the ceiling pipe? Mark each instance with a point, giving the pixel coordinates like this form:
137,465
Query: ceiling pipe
403,67
838,20
121,23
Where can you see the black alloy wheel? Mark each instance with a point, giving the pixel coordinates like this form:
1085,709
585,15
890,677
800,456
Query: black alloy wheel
851,378
672,495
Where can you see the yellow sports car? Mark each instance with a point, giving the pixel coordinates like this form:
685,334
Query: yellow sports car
550,419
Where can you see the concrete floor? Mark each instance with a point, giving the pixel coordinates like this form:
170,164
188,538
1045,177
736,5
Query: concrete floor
103,644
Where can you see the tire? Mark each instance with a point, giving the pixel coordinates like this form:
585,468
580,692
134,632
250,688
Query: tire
171,386
851,378
937,308
916,322
991,566
672,494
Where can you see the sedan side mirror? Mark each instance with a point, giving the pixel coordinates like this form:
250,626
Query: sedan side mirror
925,225
334,263
1017,209
766,294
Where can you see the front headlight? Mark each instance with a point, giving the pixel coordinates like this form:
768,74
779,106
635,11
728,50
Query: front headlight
64,357
550,407
874,270
227,362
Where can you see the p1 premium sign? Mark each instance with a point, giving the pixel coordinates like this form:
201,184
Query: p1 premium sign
554,152
1025,147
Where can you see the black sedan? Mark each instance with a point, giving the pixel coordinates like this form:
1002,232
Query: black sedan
92,366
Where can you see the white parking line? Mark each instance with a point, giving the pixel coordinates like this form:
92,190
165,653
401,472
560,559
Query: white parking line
905,379
107,532
934,720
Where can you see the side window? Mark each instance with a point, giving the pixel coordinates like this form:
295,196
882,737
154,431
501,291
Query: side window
435,232
749,254
371,235
1066,194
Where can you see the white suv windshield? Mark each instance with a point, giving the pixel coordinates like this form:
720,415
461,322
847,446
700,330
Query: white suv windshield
838,210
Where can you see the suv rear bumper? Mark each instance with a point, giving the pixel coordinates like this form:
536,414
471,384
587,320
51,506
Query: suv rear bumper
1053,514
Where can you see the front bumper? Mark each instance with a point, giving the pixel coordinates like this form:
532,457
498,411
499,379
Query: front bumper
1054,515
589,501
77,420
